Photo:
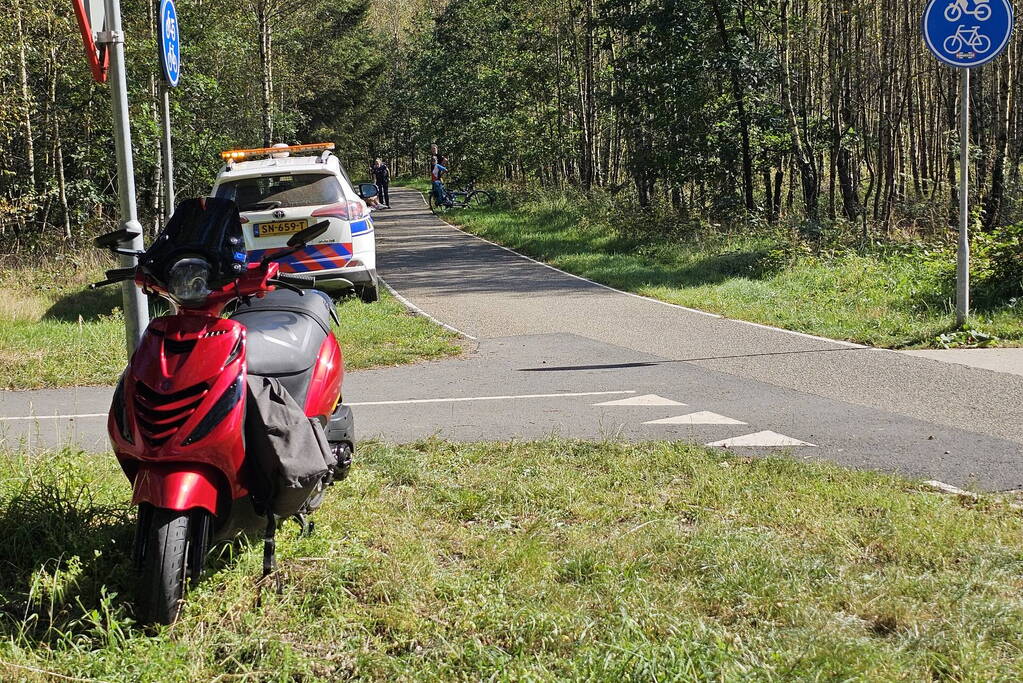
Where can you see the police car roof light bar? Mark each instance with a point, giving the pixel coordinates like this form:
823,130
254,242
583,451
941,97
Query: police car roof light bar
230,155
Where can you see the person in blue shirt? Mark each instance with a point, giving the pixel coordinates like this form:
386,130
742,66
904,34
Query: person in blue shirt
437,176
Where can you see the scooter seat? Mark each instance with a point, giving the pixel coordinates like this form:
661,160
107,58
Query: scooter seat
284,332
313,303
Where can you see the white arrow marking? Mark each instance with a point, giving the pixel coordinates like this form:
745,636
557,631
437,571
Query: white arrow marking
645,400
763,439
704,417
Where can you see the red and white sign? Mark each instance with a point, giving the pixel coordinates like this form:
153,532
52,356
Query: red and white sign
91,16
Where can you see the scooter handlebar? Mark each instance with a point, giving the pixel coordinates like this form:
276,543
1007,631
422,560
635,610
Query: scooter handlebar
114,276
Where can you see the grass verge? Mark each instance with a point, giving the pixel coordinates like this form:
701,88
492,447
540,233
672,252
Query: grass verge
892,296
54,332
535,561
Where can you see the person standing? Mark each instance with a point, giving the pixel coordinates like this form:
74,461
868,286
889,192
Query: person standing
434,157
382,179
437,176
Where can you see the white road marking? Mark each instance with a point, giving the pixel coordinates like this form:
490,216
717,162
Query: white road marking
942,487
375,403
762,439
645,400
486,398
415,309
704,417
948,488
51,417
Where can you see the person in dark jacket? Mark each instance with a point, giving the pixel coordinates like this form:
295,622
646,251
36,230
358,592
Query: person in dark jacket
382,179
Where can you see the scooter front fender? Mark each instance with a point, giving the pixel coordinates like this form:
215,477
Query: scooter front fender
178,486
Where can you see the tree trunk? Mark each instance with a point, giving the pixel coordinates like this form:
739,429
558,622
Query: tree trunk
738,95
26,100
995,197
803,155
263,26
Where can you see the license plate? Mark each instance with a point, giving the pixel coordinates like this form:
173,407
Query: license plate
277,228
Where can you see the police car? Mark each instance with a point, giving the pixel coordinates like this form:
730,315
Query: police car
282,189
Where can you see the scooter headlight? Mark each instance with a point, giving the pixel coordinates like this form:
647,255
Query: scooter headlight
188,281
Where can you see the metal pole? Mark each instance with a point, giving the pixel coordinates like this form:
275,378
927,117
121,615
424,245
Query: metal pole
963,260
136,307
168,155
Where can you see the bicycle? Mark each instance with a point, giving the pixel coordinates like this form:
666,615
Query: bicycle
962,39
466,198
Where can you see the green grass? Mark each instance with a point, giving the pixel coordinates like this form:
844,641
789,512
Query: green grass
894,297
421,184
54,332
542,561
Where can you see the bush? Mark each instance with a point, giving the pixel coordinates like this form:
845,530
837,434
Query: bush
998,264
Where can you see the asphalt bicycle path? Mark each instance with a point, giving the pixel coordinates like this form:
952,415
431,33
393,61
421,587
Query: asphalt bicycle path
553,354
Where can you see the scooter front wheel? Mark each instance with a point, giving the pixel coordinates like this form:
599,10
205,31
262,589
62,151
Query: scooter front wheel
175,548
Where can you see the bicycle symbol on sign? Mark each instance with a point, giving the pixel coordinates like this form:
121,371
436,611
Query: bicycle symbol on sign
962,39
170,28
958,8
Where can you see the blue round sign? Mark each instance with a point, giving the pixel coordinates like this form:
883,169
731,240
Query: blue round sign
170,42
967,33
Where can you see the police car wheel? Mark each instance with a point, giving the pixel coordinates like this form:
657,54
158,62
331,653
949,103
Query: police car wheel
369,293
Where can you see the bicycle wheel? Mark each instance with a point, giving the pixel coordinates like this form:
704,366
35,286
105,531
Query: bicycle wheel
982,44
953,12
953,45
982,13
479,199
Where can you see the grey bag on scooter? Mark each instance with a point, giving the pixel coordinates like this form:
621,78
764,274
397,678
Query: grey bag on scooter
288,448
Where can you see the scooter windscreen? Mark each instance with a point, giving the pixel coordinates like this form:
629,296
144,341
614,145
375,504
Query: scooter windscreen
201,249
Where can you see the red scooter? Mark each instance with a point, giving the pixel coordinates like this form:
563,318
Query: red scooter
184,421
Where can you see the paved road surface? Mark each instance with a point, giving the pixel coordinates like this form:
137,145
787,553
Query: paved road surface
554,354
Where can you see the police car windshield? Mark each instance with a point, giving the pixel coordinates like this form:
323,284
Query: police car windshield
263,193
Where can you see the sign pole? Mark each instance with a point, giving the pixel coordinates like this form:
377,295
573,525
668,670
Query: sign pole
168,40
966,34
168,155
963,260
136,307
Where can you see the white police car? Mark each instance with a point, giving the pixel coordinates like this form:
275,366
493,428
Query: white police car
282,189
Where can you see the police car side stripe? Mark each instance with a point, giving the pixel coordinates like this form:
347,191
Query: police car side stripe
317,254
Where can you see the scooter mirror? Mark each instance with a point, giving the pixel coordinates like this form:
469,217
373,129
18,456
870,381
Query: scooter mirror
112,240
303,237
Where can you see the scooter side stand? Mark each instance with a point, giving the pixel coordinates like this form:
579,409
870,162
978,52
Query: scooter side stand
270,556
270,549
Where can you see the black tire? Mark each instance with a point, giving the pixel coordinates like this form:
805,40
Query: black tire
174,551
435,207
369,293
343,453
479,199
